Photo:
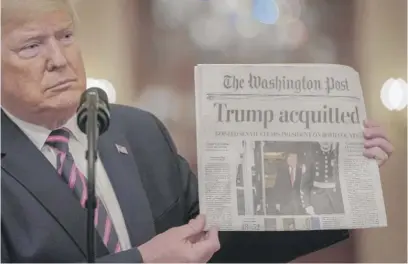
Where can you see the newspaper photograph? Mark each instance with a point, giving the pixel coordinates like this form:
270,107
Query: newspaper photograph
280,148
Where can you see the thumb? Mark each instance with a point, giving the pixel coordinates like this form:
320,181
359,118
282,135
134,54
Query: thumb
206,248
194,227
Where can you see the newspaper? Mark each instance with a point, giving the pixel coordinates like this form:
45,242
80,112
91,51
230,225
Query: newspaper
280,148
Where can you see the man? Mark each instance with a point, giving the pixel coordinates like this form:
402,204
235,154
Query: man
147,208
240,167
240,182
270,174
287,187
320,188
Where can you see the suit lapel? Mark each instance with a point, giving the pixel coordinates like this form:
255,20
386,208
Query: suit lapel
28,166
118,160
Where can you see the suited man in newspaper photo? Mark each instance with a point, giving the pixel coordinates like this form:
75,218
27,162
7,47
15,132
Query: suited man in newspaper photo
270,175
287,187
240,181
240,172
320,188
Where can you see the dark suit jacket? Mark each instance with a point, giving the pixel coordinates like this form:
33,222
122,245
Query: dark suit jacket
43,222
283,190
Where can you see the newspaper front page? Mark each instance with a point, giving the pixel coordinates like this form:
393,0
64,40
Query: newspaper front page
280,148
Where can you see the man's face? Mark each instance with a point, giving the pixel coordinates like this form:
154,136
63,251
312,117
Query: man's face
42,68
325,146
292,160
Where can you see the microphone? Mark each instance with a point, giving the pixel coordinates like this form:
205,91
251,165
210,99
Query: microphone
94,98
93,118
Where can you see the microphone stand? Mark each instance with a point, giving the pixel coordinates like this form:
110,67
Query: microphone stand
92,130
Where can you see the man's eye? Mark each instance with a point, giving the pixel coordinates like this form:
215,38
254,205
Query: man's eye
31,46
30,50
67,37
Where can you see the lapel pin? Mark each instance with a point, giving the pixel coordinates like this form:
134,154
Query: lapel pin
121,149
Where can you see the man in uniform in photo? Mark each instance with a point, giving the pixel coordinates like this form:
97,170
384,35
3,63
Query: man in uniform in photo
320,191
287,186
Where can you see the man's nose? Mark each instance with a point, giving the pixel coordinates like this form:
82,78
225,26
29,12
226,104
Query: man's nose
56,56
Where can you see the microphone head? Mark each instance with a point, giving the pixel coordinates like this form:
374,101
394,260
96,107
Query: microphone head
101,94
103,110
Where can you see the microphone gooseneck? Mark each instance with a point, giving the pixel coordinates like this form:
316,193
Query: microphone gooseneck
93,118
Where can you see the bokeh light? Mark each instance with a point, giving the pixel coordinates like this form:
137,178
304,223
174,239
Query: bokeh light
293,34
239,28
247,27
289,11
394,94
103,84
265,11
162,101
211,32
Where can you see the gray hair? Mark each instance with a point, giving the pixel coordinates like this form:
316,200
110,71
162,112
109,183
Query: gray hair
26,8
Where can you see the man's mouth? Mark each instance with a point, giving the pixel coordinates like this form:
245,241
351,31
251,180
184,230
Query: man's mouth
62,85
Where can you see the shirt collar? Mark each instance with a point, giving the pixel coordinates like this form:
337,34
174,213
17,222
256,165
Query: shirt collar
38,134
75,131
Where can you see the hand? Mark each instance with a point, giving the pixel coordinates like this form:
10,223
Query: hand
376,143
278,207
258,207
310,210
187,243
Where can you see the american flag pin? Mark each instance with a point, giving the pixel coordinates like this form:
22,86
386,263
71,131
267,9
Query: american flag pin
121,149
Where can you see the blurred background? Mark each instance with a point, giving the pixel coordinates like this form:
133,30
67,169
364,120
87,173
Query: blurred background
147,49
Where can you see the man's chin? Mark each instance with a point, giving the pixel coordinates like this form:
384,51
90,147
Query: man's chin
54,117
65,99
61,107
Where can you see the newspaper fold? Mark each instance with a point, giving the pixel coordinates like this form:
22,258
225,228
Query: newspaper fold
280,147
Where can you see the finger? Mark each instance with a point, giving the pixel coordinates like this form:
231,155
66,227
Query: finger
376,153
194,227
206,248
383,144
371,123
374,132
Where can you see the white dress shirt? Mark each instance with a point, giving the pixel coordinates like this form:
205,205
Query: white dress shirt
77,146
292,172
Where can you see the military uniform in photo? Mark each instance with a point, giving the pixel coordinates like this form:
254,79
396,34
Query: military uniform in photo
320,185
